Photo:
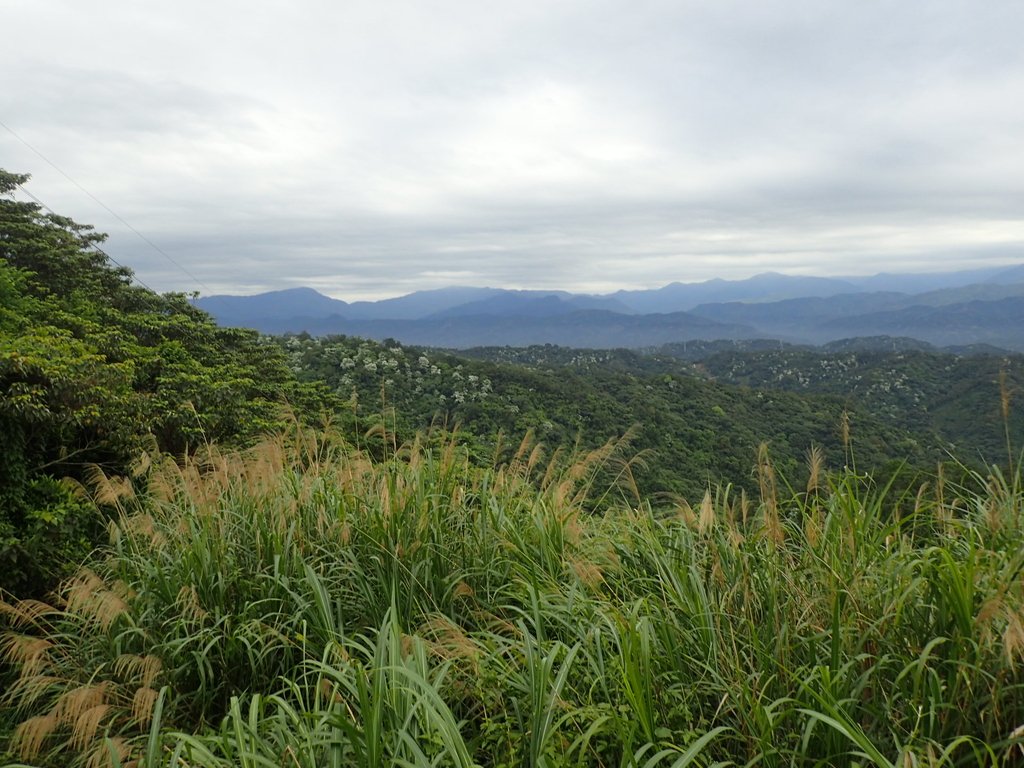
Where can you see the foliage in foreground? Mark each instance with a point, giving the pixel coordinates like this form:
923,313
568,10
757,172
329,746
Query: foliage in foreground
304,605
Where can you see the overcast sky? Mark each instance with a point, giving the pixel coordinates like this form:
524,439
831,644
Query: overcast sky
369,149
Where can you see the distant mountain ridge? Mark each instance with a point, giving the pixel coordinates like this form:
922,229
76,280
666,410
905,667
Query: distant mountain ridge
978,306
768,286
586,328
288,303
534,304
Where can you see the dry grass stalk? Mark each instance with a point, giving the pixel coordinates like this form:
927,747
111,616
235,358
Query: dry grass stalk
86,725
87,596
813,525
30,735
717,574
407,644
736,537
448,641
921,500
685,513
384,494
769,496
815,468
551,472
27,689
110,753
28,652
572,529
994,506
108,491
26,613
462,589
766,476
188,603
589,573
706,521
525,445
132,667
74,702
142,464
1013,636
144,526
989,611
143,702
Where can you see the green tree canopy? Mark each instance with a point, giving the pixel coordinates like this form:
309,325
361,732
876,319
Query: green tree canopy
94,368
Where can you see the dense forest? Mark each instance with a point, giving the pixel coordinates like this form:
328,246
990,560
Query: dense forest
957,403
688,431
222,548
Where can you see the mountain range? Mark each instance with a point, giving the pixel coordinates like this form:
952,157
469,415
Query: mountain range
978,306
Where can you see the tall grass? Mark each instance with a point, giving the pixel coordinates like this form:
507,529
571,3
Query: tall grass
300,604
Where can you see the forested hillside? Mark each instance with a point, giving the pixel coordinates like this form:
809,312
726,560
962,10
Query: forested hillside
690,433
965,401
948,404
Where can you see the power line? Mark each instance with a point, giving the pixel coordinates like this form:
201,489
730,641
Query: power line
50,210
107,208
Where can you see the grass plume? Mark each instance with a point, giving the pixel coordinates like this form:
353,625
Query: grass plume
302,604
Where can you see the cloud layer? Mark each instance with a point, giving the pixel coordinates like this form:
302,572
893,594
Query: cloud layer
370,149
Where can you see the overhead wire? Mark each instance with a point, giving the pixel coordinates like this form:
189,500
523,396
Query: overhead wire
107,208
133,276
110,258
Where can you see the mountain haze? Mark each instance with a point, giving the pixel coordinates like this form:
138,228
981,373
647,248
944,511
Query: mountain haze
275,305
981,306
769,286
584,328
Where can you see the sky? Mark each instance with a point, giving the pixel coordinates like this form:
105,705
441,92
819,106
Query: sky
370,149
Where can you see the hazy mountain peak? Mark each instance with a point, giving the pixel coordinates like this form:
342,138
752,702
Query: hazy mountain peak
284,303
973,306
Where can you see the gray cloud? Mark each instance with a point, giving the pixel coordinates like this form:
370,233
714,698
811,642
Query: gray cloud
369,149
